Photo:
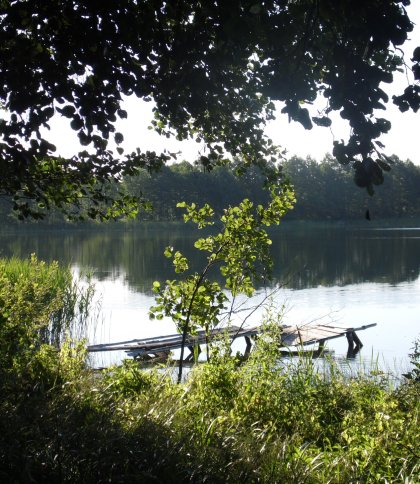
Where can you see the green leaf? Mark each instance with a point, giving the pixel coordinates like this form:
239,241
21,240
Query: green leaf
169,252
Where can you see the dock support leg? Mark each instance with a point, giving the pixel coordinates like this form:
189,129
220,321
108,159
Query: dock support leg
357,341
350,350
248,346
354,344
321,347
194,352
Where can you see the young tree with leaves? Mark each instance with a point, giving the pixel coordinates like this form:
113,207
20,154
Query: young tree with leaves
239,250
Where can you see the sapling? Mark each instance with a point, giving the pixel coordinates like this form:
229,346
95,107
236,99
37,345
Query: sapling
240,251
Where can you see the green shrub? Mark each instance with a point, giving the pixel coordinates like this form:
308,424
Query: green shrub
232,420
39,304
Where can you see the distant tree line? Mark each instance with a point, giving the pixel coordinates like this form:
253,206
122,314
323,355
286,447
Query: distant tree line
324,190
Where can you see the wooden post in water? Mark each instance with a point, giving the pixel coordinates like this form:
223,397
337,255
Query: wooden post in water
357,341
354,344
194,352
248,345
321,347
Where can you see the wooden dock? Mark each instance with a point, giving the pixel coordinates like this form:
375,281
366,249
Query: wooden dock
293,336
159,348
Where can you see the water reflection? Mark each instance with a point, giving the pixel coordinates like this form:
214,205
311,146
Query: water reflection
303,257
347,275
338,256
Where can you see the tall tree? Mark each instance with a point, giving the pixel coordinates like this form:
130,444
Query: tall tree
213,70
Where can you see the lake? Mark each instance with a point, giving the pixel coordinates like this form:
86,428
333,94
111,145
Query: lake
345,273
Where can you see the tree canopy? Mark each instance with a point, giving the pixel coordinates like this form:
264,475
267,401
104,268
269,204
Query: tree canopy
213,70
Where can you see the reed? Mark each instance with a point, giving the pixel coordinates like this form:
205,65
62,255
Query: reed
231,420
40,303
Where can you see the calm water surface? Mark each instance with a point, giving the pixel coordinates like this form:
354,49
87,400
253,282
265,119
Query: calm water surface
330,273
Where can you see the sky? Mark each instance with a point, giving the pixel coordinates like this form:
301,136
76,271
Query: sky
402,140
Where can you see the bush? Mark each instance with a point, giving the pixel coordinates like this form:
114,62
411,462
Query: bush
232,420
39,304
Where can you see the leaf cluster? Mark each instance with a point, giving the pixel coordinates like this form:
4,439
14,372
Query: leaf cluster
213,70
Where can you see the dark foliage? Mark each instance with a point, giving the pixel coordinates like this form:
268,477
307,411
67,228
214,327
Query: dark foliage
213,70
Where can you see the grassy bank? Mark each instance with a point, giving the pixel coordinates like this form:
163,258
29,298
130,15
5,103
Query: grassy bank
230,421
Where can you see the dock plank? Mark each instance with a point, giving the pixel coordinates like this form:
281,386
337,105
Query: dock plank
310,334
171,342
292,335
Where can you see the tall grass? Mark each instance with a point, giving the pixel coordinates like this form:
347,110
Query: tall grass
40,304
46,293
231,420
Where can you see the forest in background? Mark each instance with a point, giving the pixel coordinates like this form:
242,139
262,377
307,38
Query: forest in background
324,191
